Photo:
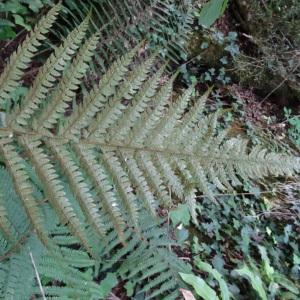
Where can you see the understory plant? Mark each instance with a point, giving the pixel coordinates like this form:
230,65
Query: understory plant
166,24
251,242
294,126
272,65
86,171
14,13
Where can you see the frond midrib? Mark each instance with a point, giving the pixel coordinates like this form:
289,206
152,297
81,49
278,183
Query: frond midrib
200,156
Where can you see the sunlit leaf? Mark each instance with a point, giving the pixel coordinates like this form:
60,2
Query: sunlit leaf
201,287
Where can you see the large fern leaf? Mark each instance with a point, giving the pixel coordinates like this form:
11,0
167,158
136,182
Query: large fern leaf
130,144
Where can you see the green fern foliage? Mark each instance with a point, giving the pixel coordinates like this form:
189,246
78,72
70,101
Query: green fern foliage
128,145
67,272
166,24
21,58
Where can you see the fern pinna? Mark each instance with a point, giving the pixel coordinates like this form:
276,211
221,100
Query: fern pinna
125,149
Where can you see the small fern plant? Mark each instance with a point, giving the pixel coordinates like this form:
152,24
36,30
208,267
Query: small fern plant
166,24
128,145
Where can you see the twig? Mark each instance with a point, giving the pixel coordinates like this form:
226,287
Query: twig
185,258
238,194
271,213
37,277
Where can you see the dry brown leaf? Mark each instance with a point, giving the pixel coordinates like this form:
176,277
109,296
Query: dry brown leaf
187,295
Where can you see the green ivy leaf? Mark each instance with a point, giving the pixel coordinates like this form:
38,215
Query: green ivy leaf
245,234
19,20
182,235
13,6
180,215
34,5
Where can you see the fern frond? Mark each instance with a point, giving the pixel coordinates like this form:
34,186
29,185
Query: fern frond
47,76
200,178
19,270
54,189
66,89
97,98
110,114
165,24
19,223
150,119
166,126
6,228
102,186
131,145
71,273
123,185
154,178
19,61
139,181
139,104
171,178
79,186
24,188
189,121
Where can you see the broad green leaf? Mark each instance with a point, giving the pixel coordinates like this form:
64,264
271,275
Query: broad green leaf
6,33
245,234
19,20
4,22
14,7
211,11
254,279
225,294
34,5
201,287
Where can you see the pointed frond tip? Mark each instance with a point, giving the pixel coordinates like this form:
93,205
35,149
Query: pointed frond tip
19,61
131,144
